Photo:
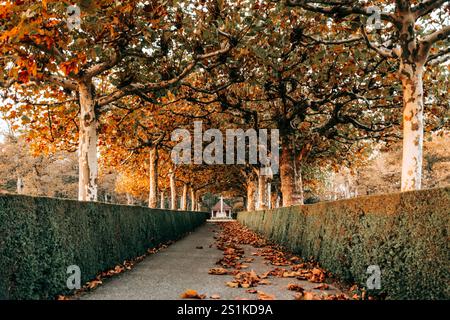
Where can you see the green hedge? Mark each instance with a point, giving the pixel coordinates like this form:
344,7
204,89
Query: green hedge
405,234
41,237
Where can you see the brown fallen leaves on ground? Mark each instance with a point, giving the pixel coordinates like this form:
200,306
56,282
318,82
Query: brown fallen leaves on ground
192,294
245,280
306,295
322,286
265,296
218,271
295,287
127,265
231,239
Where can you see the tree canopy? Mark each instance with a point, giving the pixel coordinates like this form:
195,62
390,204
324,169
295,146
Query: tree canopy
114,88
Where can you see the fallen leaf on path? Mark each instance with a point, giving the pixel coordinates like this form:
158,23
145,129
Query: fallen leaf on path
298,267
322,286
306,296
192,294
251,291
354,288
93,284
264,296
290,274
199,247
229,251
232,284
340,296
317,275
218,271
295,287
215,296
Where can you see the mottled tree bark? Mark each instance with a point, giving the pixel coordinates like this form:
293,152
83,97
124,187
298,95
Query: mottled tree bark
269,195
412,59
153,193
193,198
197,201
20,185
130,200
162,200
298,194
261,192
87,150
287,173
184,197
173,191
251,188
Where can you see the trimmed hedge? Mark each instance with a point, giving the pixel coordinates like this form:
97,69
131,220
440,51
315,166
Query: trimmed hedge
405,234
41,237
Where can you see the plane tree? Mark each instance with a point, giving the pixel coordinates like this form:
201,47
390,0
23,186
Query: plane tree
413,34
120,49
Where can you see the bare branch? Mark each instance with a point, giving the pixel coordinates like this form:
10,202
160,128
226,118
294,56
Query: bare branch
383,51
147,87
439,57
337,8
427,7
99,68
65,83
52,79
326,42
436,36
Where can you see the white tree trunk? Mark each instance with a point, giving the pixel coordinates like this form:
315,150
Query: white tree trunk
299,195
173,191
193,199
412,126
130,200
197,202
153,194
261,192
87,149
269,195
184,197
162,204
251,188
287,172
20,185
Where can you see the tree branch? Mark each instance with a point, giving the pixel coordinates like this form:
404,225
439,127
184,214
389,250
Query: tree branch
147,87
337,8
439,57
427,7
343,41
384,52
436,36
65,83
99,68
